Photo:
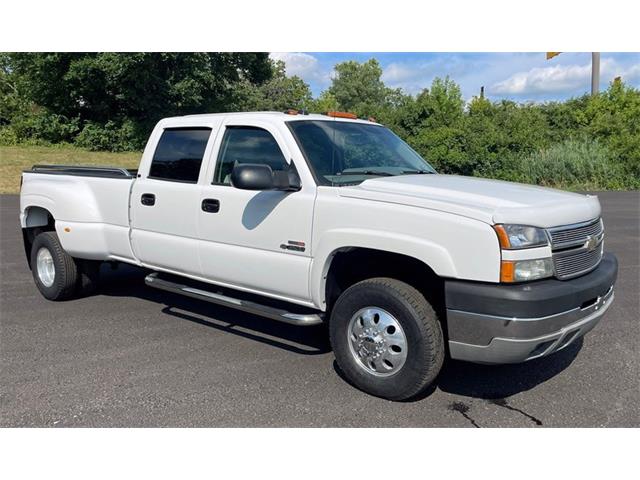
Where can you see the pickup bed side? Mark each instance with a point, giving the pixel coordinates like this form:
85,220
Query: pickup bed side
91,212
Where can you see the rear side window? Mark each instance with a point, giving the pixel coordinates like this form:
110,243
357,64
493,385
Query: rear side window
247,145
179,154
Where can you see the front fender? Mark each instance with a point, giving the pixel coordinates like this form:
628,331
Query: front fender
435,256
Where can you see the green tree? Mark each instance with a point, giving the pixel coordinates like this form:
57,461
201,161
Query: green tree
436,129
358,88
278,93
132,91
614,117
11,101
326,102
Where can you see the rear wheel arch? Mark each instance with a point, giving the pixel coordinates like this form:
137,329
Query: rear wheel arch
36,220
36,216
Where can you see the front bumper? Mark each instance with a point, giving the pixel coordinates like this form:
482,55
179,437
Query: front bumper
497,323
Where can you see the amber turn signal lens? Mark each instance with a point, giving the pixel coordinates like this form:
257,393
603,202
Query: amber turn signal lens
342,115
502,236
507,271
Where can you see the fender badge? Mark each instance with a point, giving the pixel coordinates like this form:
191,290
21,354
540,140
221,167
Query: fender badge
293,245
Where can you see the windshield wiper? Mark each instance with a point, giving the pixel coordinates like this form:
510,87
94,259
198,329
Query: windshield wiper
417,172
367,172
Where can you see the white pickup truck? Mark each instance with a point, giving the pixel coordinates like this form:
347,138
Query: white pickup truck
311,219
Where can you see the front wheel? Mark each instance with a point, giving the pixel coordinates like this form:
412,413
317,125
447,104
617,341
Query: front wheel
386,338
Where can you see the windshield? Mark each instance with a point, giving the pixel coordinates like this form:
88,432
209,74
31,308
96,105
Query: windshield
345,153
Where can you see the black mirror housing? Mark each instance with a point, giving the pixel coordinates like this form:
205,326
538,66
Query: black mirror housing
252,176
256,176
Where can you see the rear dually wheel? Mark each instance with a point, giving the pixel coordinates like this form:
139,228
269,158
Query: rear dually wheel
54,270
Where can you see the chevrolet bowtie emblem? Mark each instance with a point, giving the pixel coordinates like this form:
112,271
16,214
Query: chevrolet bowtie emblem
591,243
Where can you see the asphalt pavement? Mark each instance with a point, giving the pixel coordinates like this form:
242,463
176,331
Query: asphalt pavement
131,356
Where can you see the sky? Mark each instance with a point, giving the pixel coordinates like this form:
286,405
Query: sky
515,76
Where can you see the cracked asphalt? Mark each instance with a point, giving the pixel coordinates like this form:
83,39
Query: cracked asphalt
131,356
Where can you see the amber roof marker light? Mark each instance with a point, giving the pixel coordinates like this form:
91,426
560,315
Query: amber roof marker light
352,116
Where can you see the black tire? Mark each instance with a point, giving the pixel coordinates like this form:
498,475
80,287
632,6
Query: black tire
425,344
88,276
65,279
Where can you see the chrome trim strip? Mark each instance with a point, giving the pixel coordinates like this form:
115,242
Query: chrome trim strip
81,170
574,225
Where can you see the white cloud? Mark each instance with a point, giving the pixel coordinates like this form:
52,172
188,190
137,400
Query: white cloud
414,77
303,65
558,79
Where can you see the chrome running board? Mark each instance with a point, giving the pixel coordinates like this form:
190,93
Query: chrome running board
302,319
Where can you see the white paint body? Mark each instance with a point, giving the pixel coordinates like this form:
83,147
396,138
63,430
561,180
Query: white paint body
444,221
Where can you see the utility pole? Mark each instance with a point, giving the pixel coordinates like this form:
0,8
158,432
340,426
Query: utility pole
595,73
595,70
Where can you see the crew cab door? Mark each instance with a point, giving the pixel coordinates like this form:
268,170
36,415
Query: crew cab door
165,200
259,241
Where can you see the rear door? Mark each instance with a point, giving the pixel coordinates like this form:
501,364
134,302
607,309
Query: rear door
256,240
165,201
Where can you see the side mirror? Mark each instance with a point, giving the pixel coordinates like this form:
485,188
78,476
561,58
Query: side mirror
254,176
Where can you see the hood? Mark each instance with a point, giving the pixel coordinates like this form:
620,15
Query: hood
491,201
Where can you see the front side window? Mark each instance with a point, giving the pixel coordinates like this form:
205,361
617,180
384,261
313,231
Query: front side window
179,153
247,145
347,153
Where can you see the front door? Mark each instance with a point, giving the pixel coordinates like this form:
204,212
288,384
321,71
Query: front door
256,240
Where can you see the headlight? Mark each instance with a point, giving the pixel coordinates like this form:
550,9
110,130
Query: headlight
524,270
513,237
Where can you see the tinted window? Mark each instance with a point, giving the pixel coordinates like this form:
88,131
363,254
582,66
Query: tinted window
344,153
179,154
247,145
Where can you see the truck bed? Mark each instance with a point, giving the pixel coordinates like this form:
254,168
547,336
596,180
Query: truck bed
90,206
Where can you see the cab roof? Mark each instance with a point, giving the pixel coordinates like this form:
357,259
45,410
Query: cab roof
281,116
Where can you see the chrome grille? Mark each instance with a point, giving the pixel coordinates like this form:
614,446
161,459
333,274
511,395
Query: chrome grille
577,249
562,237
573,264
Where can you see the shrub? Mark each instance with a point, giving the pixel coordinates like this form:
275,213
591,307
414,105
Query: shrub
576,164
111,136
8,137
45,127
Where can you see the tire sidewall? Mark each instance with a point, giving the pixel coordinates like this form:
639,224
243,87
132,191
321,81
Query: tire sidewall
404,383
44,240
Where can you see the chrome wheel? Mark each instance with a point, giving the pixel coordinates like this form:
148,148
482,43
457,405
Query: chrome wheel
377,341
45,267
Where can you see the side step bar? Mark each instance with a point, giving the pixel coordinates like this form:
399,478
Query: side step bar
306,319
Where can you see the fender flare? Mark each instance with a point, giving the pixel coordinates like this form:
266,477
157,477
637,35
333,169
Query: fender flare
433,255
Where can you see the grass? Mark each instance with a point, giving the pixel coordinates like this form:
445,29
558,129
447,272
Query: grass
570,165
13,160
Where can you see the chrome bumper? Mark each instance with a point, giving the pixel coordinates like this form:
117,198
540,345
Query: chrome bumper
509,349
498,323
